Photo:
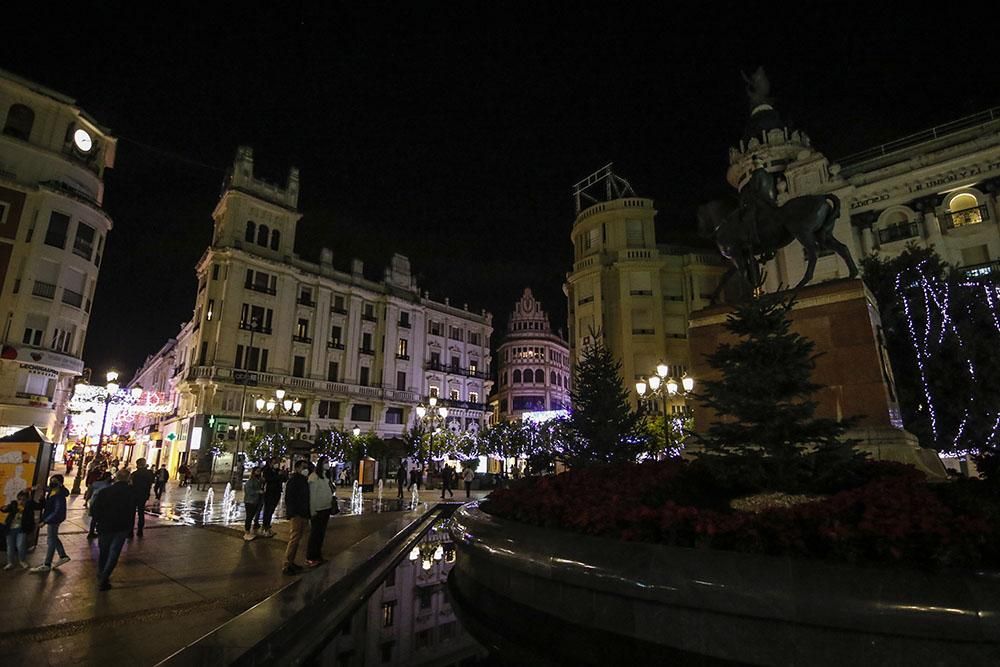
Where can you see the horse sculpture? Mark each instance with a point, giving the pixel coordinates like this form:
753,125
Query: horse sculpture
749,234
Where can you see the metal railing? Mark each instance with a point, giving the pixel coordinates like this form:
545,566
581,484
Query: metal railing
985,270
44,290
456,370
899,232
965,217
72,298
248,326
302,339
261,288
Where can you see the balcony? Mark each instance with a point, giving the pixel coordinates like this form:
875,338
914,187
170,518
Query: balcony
44,290
338,310
334,345
302,339
248,326
987,270
404,357
965,217
899,232
463,405
369,318
263,289
403,325
366,351
456,370
72,298
306,301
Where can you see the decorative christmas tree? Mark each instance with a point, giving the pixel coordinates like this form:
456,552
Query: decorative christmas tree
603,428
763,399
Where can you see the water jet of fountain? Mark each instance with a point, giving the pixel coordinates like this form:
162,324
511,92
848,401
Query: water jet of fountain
414,497
378,507
356,499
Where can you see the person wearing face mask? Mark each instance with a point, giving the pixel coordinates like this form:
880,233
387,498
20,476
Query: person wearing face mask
297,510
322,500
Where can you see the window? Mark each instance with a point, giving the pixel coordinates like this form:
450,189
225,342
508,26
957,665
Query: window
963,210
305,296
474,337
400,380
387,652
517,376
423,639
433,391
251,231
364,376
328,410
362,413
302,329
640,283
473,397
19,121
261,282
528,402
539,376
32,336
435,359
447,630
455,333
211,310
552,377
503,378
257,318
394,416
203,353
473,366
333,372
299,366
215,272
83,244
366,343
368,313
426,598
55,236
338,304
453,394
435,328
100,247
336,336
251,358
275,239
262,233
402,349
633,234
388,614
404,319
455,363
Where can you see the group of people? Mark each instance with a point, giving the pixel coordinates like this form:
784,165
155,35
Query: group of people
115,501
310,500
448,478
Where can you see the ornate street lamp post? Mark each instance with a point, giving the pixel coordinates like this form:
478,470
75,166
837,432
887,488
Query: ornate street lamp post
277,405
661,386
112,389
431,415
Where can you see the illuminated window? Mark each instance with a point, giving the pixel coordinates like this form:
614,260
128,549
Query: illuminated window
964,210
388,614
453,394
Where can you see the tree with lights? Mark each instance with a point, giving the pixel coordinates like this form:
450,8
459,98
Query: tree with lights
764,398
603,428
942,331
264,447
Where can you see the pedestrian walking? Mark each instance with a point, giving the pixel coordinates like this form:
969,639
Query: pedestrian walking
400,480
447,480
322,503
467,477
297,508
184,475
253,490
160,481
272,494
53,514
115,509
415,476
142,482
104,482
20,523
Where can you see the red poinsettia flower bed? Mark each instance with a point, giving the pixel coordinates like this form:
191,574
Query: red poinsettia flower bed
893,517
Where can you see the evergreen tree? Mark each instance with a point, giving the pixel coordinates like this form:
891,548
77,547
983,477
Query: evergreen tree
602,428
763,399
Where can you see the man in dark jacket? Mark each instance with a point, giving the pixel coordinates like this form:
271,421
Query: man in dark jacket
272,494
297,508
114,509
400,480
53,514
447,480
142,482
160,483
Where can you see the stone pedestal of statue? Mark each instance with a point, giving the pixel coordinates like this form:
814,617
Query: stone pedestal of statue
852,368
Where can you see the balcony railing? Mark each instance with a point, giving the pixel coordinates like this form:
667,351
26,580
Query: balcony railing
338,310
72,298
898,232
44,290
306,301
456,370
989,270
404,357
302,339
464,405
965,217
263,289
365,351
369,318
248,326
403,325
334,345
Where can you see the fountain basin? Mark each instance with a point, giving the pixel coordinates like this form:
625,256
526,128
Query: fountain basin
722,605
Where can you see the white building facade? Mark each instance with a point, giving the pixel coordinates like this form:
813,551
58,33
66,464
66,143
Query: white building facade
352,350
53,230
533,363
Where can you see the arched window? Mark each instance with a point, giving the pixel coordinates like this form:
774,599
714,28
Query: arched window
503,378
964,209
275,239
262,233
19,121
251,231
552,378
540,376
517,376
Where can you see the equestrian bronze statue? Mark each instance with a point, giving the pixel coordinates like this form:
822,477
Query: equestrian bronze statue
751,232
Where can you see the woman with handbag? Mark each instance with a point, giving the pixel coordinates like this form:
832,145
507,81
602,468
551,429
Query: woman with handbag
322,503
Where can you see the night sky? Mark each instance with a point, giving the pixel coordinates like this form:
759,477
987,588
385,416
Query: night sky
453,132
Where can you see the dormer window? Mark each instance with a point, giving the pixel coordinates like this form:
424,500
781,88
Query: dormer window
20,119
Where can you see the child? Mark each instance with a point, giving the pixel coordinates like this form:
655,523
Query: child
20,523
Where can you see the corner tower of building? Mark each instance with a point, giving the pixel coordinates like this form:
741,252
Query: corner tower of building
534,366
